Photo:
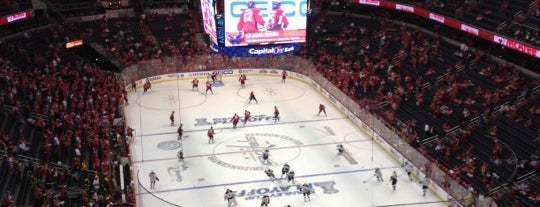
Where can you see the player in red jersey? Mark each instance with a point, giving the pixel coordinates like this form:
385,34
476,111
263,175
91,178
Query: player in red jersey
322,109
278,21
209,87
247,114
242,80
180,132
147,86
252,97
283,76
171,117
134,86
235,119
276,114
210,134
195,84
250,19
214,77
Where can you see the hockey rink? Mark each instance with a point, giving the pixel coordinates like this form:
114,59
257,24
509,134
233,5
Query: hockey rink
304,140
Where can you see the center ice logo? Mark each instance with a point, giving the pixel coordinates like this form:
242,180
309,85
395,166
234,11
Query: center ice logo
327,187
214,121
246,153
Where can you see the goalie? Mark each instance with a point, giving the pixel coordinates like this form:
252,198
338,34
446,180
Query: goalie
278,21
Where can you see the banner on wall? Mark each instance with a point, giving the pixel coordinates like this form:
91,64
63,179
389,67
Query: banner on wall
256,51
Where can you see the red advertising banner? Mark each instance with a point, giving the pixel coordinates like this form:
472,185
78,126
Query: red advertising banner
508,42
15,17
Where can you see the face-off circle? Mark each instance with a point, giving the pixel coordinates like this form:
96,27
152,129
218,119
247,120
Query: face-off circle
246,152
169,145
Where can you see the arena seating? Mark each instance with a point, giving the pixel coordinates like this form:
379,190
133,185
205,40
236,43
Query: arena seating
13,6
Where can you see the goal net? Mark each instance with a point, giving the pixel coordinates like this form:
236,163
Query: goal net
217,81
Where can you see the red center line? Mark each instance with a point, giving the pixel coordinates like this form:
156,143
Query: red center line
250,151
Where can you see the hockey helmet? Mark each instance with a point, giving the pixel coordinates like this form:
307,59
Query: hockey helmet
276,4
251,4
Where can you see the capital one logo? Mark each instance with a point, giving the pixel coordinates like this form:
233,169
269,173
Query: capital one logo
291,8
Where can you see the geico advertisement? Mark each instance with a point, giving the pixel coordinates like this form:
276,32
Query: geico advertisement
264,22
209,21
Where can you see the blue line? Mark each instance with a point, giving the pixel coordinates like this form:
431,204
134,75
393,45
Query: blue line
256,125
256,181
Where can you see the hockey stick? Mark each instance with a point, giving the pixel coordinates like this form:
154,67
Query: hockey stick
365,181
218,131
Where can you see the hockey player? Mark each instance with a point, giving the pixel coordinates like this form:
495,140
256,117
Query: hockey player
133,86
153,178
209,87
214,77
285,169
265,201
283,76
195,84
322,109
378,174
425,186
306,192
147,86
250,19
265,156
290,176
247,114
278,21
230,197
276,114
270,173
180,132
180,156
393,180
171,117
235,119
340,149
242,80
252,98
210,134
409,169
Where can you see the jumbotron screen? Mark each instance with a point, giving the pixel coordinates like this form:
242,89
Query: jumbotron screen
259,22
209,21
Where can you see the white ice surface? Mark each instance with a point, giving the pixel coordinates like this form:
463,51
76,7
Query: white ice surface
302,139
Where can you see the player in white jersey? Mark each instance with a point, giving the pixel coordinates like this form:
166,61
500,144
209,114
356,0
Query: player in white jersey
425,186
285,169
409,168
265,201
265,156
270,173
230,197
340,149
393,180
290,176
306,191
378,174
180,156
153,178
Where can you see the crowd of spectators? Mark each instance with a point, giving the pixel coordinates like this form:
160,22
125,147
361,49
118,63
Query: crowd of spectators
58,140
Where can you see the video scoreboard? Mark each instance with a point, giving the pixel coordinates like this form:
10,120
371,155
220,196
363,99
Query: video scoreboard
255,23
